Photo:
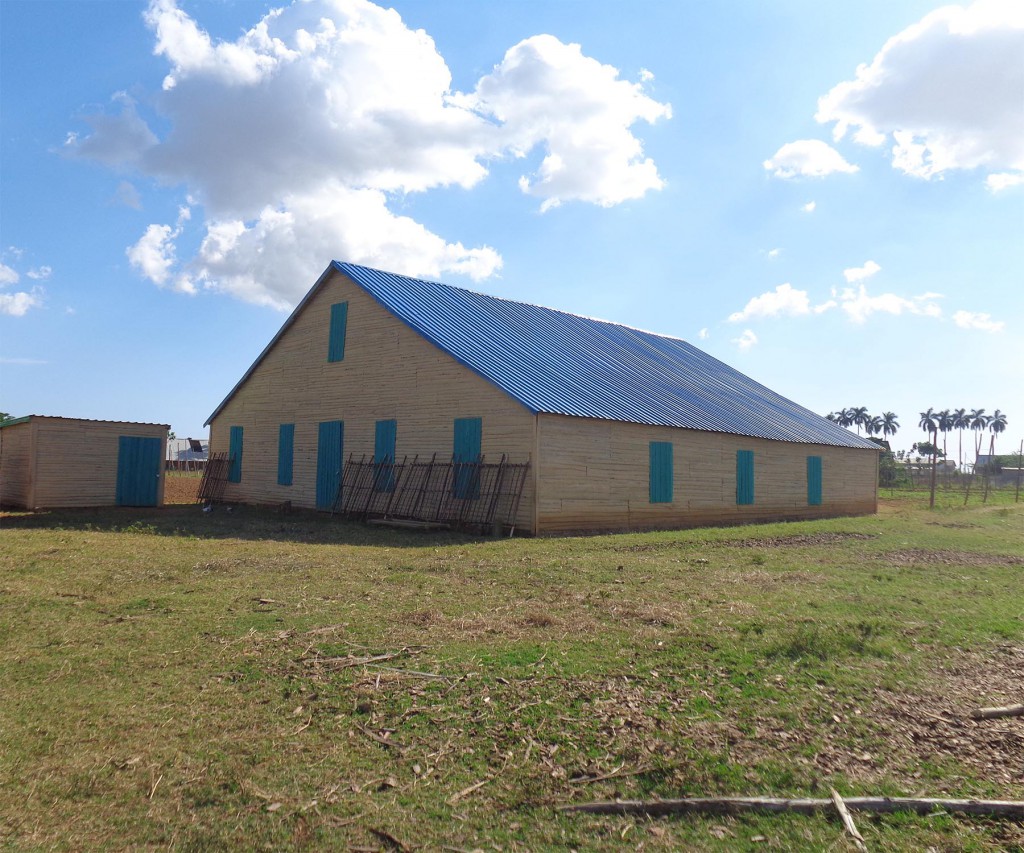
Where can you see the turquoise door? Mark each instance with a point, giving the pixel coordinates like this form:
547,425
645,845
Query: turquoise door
138,470
329,450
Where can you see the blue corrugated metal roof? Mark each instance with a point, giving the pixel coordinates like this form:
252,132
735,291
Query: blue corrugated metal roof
560,363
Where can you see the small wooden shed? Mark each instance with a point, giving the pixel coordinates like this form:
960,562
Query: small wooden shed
70,462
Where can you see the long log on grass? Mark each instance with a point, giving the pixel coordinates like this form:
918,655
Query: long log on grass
994,713
1011,809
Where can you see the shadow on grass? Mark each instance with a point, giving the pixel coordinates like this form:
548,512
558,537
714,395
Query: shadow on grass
239,522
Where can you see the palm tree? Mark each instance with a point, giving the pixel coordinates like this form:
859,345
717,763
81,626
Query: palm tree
929,423
996,425
831,416
977,420
890,423
961,422
979,423
859,417
873,425
944,422
844,417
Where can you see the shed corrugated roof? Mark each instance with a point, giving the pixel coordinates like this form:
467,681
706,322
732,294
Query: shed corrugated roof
26,418
559,363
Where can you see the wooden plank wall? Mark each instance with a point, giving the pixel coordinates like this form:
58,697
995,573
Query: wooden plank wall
593,475
76,460
16,465
389,372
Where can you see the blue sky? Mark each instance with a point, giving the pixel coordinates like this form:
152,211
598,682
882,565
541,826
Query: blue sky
827,196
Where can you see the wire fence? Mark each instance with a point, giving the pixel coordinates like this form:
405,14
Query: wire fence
478,494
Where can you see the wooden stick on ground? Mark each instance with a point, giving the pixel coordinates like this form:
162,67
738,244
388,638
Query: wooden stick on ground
844,814
993,713
1010,809
452,800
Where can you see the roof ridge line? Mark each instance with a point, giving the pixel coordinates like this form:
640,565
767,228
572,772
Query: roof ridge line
342,264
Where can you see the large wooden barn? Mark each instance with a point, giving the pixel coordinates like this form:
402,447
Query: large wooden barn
73,462
622,429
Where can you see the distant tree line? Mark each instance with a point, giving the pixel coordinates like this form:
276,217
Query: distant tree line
858,417
932,422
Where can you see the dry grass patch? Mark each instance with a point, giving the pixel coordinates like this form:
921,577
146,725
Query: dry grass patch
247,680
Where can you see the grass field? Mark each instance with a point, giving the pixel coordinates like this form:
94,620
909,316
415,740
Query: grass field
247,679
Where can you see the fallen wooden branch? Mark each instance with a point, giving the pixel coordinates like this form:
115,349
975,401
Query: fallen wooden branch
1010,809
844,814
383,741
412,672
352,660
390,841
993,713
614,774
452,800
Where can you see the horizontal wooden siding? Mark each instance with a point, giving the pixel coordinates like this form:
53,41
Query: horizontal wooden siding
595,475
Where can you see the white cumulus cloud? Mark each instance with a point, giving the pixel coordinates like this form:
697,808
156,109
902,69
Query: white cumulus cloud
334,108
548,93
1000,181
18,304
746,340
153,254
342,222
859,304
982,322
860,273
8,275
807,158
946,91
785,300
809,207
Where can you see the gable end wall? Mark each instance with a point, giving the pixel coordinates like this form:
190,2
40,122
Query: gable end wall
16,465
388,372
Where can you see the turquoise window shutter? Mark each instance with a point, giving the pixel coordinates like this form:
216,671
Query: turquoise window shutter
661,472
235,455
744,476
285,453
339,321
814,480
466,455
384,455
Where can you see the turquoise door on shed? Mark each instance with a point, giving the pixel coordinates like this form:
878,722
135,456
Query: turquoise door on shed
329,455
138,470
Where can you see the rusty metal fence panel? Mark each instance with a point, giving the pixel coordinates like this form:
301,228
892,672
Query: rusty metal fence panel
478,494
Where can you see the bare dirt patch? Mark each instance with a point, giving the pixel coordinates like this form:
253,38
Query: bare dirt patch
931,726
910,738
181,490
799,540
796,540
927,556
